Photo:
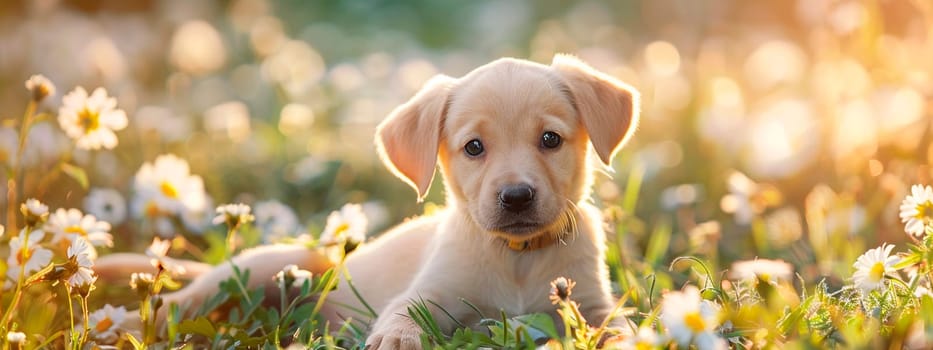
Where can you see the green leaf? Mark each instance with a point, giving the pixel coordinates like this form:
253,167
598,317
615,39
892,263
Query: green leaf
539,325
77,173
658,243
200,326
173,316
909,260
138,345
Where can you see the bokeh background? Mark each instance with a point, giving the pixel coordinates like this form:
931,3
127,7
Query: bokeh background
787,129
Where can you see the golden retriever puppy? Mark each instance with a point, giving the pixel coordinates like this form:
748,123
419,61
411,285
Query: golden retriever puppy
513,140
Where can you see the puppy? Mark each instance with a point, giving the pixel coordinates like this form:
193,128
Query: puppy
513,140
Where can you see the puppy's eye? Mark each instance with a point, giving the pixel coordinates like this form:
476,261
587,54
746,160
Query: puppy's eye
550,139
473,148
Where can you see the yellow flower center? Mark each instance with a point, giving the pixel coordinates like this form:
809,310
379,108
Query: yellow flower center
103,325
90,121
695,322
925,210
338,232
152,210
168,189
643,346
877,272
23,255
76,229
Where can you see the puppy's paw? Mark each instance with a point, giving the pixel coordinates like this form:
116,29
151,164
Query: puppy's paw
401,336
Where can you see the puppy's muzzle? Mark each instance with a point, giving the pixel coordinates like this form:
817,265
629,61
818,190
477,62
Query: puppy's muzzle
516,198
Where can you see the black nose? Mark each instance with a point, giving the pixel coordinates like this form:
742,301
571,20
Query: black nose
516,198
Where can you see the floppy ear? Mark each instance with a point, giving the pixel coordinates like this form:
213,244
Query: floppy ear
407,140
608,107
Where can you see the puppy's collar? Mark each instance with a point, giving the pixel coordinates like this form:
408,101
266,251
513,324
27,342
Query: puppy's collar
540,242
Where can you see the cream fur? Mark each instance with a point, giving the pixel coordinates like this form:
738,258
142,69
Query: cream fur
460,252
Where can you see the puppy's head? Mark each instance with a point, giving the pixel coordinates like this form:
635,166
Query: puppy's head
512,138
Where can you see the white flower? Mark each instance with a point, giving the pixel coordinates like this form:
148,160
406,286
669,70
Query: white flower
91,120
646,338
107,204
106,324
233,214
141,279
40,86
275,220
67,225
166,188
346,225
917,210
158,248
871,267
158,252
34,257
16,337
765,269
36,208
34,212
167,184
293,276
80,253
690,318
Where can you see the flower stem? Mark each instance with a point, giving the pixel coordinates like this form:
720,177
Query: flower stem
18,294
87,320
15,170
330,285
71,317
231,242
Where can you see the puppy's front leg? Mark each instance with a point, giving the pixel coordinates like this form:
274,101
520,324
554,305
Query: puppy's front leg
395,329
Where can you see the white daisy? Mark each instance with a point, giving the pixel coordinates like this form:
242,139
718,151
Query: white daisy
141,280
34,257
765,269
873,266
275,220
67,225
35,208
106,324
167,187
346,225
233,214
158,248
917,210
689,318
91,120
40,86
158,252
293,276
646,338
107,204
34,211
80,253
164,189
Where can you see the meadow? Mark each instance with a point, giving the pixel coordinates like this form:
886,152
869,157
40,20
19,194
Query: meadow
777,193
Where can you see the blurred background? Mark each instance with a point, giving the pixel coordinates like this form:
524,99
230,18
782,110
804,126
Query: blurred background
770,128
